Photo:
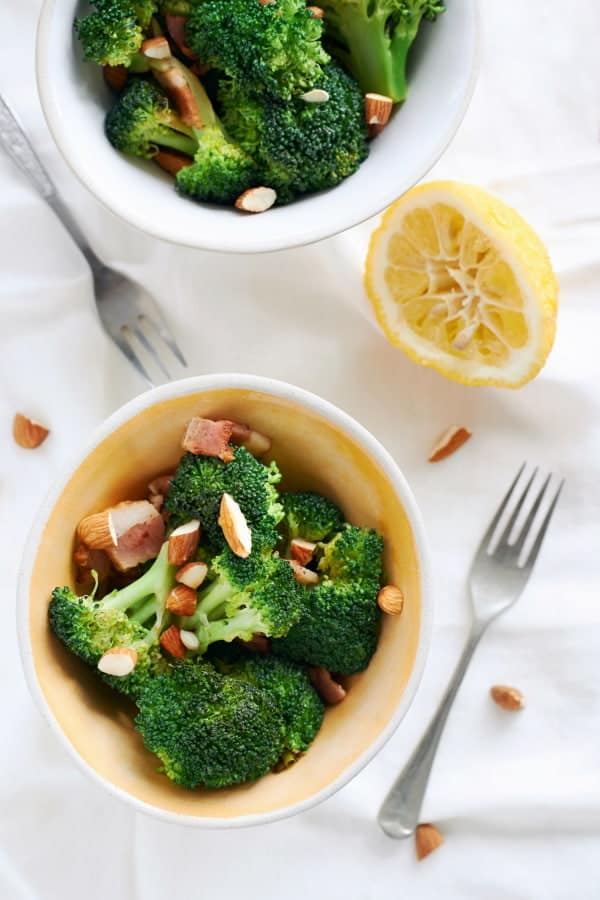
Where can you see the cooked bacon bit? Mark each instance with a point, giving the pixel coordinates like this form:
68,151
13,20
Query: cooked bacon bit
204,437
171,161
330,691
302,551
453,438
115,77
176,28
259,643
140,533
170,640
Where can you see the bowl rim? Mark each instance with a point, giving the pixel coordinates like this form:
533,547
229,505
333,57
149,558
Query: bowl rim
118,205
359,434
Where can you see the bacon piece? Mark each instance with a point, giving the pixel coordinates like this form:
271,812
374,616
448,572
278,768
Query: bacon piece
204,437
140,533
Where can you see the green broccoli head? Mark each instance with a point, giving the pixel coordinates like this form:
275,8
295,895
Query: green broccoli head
372,39
258,594
339,624
141,121
272,49
301,147
289,685
310,516
200,481
208,729
221,170
131,617
113,33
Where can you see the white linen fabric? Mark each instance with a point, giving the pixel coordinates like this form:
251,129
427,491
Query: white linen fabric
517,797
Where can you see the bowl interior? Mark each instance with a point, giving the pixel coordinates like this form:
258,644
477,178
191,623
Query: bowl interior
312,453
442,66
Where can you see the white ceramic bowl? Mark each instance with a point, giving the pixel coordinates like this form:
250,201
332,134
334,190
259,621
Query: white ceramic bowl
318,447
75,100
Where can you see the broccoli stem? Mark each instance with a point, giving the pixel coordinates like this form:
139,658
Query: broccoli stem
242,623
147,595
378,63
175,141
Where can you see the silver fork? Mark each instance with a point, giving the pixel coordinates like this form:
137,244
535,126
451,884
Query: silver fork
499,573
128,313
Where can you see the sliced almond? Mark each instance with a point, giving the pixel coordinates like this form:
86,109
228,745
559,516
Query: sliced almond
316,95
118,661
115,77
390,600
450,441
329,690
374,130
508,698
171,161
183,543
192,574
302,551
27,433
182,600
378,109
302,574
234,526
175,83
316,12
427,839
98,531
156,48
170,640
256,199
189,640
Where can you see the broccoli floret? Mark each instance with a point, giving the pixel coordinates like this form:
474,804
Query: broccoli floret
258,594
131,617
310,516
113,33
372,38
221,170
301,147
338,627
141,121
200,481
289,685
208,729
272,49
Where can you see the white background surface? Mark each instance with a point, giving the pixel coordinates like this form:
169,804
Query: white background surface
517,797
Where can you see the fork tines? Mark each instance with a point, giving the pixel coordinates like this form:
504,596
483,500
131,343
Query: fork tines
517,531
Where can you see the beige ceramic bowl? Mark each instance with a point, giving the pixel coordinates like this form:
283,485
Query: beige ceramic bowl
317,446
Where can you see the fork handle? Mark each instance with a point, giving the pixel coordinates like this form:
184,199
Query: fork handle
16,144
399,814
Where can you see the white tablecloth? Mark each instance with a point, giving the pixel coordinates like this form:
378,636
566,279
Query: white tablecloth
517,798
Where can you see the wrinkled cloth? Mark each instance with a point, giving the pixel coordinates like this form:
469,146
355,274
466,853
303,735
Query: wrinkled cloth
517,797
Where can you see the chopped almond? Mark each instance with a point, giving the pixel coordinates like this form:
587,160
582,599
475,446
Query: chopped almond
302,574
118,662
255,443
176,28
189,640
450,441
235,527
156,48
329,690
258,643
27,433
170,640
183,542
182,600
317,12
98,531
192,574
378,109
427,839
171,161
302,551
160,484
256,200
175,83
115,77
204,437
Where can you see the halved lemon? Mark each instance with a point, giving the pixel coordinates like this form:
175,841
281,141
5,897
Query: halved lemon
464,285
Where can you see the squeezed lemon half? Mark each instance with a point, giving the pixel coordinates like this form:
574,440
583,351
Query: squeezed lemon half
463,284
